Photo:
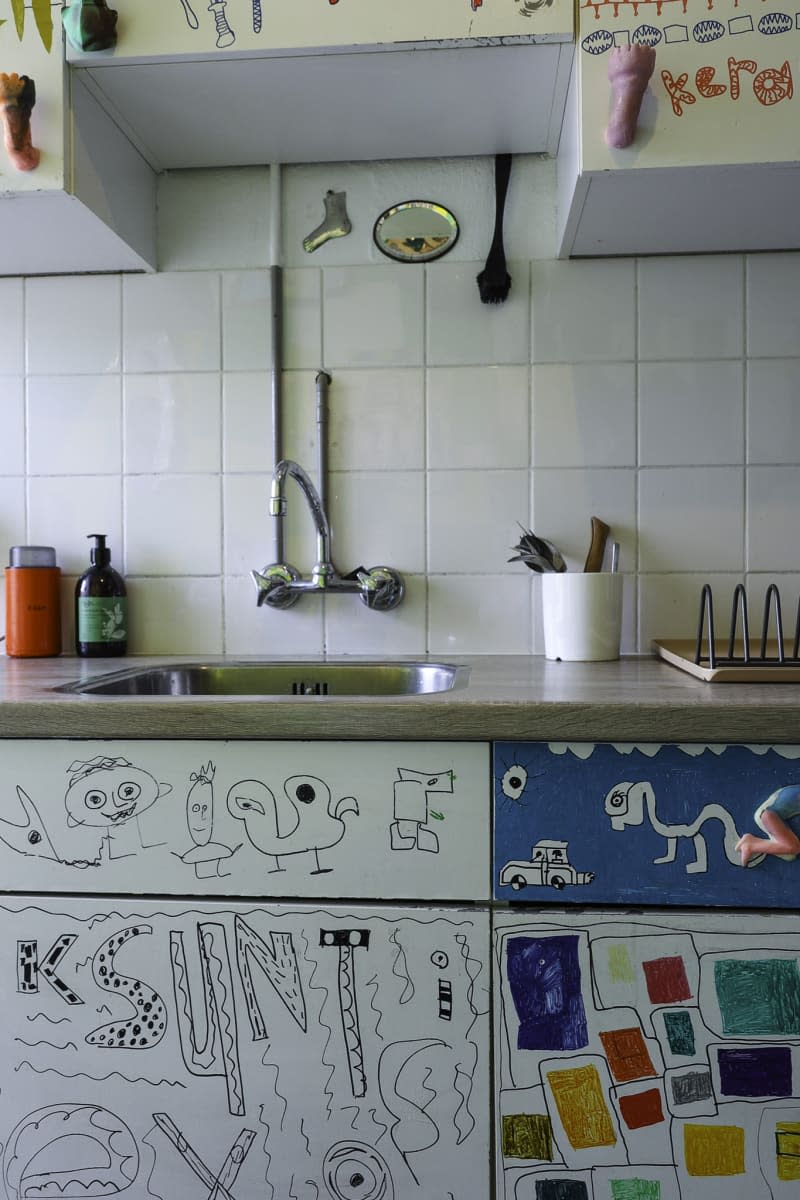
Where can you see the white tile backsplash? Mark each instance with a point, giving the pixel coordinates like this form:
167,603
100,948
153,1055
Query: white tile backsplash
659,394
691,308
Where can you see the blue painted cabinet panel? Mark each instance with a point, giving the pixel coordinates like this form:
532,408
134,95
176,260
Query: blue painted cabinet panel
643,824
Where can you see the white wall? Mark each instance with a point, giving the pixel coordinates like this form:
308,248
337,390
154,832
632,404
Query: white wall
660,394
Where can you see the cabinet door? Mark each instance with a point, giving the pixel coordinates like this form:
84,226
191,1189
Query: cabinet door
174,1049
647,1056
644,824
348,819
35,48
172,28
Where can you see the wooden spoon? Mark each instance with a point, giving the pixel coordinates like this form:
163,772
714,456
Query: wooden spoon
597,548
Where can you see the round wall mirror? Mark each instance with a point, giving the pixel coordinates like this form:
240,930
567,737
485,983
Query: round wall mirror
415,231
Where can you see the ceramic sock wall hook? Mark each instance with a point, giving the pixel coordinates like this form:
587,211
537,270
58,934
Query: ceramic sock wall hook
17,98
336,223
629,71
90,25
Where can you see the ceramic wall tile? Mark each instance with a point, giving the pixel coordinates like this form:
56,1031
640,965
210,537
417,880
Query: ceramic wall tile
690,307
172,524
478,417
12,516
472,519
691,518
583,311
352,628
773,318
171,322
691,413
267,631
246,321
12,422
172,423
461,330
302,320
564,501
72,324
12,328
64,509
377,519
669,603
249,529
373,316
376,420
584,415
773,413
74,425
478,614
773,531
175,615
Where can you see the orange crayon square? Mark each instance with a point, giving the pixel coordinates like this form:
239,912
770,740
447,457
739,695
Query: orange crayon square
642,1109
627,1054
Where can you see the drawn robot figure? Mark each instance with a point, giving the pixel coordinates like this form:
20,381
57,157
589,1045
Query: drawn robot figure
773,816
412,791
111,794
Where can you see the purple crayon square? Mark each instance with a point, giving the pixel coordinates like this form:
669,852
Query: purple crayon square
755,1071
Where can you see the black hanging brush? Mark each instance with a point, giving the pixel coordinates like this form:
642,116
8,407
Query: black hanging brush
494,281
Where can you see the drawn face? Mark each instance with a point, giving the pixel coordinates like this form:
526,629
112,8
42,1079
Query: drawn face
617,804
514,781
111,796
199,816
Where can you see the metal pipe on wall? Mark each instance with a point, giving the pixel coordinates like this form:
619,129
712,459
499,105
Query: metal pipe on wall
276,328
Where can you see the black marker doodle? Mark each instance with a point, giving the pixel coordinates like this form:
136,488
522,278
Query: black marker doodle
108,793
219,1053
28,837
147,1026
30,968
257,20
70,1150
354,1171
205,855
346,941
219,1185
306,820
190,14
279,963
412,790
445,1000
407,1094
225,35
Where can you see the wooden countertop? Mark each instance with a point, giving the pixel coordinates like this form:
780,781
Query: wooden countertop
635,699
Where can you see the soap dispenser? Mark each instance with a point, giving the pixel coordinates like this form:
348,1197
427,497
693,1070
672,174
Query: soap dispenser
101,606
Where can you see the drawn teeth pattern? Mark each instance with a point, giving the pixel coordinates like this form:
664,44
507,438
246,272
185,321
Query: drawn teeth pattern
598,42
646,35
708,31
775,22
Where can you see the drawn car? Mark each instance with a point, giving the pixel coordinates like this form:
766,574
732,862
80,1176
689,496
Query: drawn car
549,866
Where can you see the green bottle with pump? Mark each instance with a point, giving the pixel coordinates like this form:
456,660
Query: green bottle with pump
101,606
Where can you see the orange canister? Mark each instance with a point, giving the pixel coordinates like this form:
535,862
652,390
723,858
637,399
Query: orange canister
33,603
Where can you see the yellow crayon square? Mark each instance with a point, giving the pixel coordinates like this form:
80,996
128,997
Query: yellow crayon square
787,1139
580,1099
714,1149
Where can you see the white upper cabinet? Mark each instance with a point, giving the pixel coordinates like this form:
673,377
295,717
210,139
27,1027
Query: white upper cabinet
239,82
713,165
89,204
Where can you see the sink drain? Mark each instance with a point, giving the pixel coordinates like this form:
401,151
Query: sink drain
301,688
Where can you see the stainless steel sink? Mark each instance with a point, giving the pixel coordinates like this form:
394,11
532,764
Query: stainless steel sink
276,679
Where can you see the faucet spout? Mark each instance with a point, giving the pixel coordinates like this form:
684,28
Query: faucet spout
288,468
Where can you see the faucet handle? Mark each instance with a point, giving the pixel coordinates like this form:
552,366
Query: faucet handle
382,588
274,585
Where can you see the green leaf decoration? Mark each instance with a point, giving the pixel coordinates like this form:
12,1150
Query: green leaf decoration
43,16
437,816
18,8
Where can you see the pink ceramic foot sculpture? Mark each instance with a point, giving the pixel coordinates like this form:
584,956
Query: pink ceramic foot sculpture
17,98
629,71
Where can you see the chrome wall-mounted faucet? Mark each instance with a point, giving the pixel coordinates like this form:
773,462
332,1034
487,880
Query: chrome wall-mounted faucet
280,585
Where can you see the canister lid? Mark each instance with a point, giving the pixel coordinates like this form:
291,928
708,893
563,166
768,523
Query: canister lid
31,556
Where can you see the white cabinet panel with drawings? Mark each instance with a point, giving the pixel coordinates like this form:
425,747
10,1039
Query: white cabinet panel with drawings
234,1051
405,820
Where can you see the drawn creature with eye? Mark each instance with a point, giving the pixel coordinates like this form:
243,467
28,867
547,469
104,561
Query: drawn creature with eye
109,793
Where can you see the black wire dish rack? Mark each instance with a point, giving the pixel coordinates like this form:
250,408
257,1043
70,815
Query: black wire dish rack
772,656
